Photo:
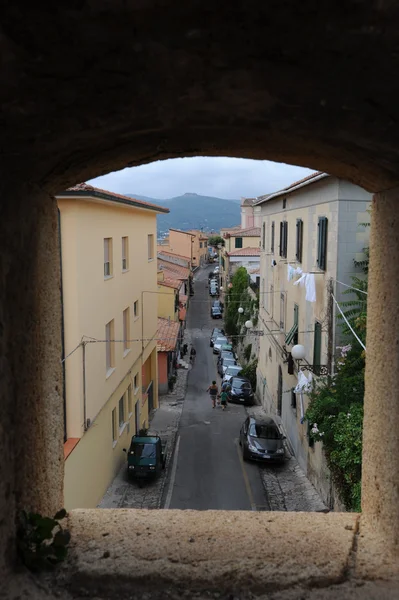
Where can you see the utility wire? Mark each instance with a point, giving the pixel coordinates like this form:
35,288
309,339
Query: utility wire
348,324
350,287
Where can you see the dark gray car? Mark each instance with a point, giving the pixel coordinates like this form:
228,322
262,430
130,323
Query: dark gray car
261,439
225,362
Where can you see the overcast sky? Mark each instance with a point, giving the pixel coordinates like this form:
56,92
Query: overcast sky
209,176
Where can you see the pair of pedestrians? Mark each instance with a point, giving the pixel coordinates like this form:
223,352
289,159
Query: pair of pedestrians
213,391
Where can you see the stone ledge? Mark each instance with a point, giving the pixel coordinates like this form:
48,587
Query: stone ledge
127,551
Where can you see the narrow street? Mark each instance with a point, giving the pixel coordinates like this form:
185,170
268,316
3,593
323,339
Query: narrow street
208,471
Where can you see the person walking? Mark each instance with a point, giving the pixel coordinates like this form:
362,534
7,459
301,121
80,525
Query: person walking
213,391
193,354
223,399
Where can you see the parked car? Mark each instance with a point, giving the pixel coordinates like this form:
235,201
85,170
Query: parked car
261,439
225,354
241,391
213,289
224,363
232,371
216,332
228,348
217,304
216,313
218,343
216,270
146,456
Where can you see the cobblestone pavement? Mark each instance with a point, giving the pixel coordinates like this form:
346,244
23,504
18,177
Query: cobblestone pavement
287,487
127,493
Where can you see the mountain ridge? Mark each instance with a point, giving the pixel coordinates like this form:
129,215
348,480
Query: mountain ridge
194,211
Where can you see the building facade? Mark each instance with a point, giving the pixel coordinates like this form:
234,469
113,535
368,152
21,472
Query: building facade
250,213
311,234
235,240
109,297
200,247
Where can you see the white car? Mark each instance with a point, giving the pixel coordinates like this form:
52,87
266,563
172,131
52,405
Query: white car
216,270
219,342
231,371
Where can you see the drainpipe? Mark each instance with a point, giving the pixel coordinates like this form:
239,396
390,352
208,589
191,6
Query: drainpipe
62,327
85,426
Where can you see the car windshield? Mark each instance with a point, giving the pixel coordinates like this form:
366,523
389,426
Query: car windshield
221,340
144,450
242,385
228,361
267,432
233,370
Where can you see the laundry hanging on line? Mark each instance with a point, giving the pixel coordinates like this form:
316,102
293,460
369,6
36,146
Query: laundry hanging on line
307,280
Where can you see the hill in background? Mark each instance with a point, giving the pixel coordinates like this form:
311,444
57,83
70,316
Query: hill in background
193,211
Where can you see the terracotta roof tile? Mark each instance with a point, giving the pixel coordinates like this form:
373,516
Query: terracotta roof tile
244,252
167,334
85,187
181,231
172,270
249,232
171,282
308,178
169,253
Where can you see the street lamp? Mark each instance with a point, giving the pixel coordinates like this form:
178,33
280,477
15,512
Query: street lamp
241,310
249,324
298,353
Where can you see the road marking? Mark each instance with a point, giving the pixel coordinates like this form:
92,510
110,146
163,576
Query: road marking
246,480
172,475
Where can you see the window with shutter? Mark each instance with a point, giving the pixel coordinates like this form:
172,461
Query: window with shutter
292,335
264,236
317,348
299,240
282,312
283,238
238,242
272,239
322,243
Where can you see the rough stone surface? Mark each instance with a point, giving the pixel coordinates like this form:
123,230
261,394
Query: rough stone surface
155,548
93,87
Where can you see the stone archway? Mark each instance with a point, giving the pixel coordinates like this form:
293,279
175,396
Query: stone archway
91,87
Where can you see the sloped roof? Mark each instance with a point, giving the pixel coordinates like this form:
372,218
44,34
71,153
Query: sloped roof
171,282
167,334
181,231
169,253
248,201
244,252
172,270
84,190
312,178
249,232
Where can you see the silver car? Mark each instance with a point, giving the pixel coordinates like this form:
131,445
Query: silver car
232,371
218,343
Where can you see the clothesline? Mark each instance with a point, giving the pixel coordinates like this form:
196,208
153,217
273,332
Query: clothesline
348,324
350,286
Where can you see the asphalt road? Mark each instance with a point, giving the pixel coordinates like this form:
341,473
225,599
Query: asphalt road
207,469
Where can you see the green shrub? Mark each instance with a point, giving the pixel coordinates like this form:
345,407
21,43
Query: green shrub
249,371
247,352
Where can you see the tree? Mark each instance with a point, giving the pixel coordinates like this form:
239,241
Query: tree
215,241
234,300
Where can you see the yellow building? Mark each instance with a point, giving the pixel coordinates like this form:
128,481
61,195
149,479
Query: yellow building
200,247
109,297
181,243
312,229
168,296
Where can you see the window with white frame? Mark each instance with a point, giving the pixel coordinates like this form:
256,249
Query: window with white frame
282,311
126,329
107,257
122,411
150,246
125,253
113,421
109,346
129,400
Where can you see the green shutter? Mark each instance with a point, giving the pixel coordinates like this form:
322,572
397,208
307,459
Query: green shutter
272,236
322,243
317,348
294,329
299,239
238,242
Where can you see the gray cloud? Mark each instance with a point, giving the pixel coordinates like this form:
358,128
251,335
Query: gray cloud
210,176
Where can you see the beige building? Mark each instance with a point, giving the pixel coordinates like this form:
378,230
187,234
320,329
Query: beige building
250,213
109,298
236,239
310,229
